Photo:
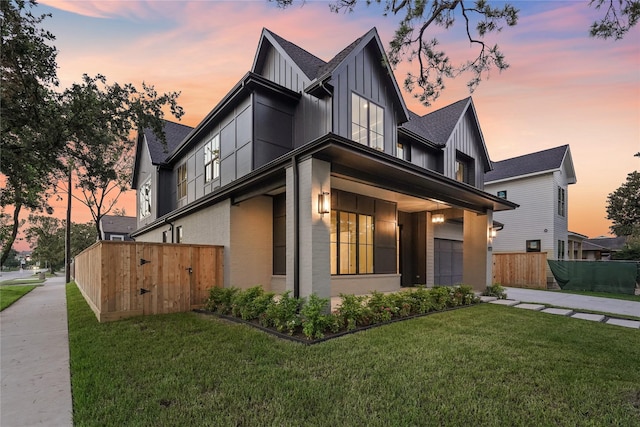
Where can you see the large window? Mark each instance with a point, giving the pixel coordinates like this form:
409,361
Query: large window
351,243
144,201
562,202
212,159
465,171
182,181
561,248
367,122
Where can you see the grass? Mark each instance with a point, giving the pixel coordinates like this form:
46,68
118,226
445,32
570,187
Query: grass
484,365
10,294
24,281
625,297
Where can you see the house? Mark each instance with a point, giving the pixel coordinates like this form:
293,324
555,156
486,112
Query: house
316,178
602,248
538,183
117,227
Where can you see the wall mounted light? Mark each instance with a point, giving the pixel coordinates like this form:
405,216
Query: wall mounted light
493,232
437,218
324,203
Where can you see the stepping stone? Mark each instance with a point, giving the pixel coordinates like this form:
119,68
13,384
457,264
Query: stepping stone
558,311
626,323
485,298
507,302
589,316
535,307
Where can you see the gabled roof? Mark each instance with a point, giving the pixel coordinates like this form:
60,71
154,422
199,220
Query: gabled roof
438,125
605,243
337,60
307,62
530,164
174,133
118,224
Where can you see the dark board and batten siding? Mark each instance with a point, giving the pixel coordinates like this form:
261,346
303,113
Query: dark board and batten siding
465,138
365,76
312,116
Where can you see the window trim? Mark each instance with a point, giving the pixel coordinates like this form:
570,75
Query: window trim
368,128
181,181
144,208
534,245
468,168
212,158
502,194
117,237
179,234
562,201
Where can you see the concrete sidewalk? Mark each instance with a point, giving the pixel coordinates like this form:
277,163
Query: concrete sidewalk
576,302
34,359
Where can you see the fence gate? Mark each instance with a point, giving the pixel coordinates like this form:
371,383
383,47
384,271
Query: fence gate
123,279
521,270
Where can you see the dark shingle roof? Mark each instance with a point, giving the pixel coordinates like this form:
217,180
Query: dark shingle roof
308,63
174,133
118,224
527,164
437,126
610,243
336,60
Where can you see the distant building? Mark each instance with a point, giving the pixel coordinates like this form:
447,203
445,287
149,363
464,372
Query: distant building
115,227
602,248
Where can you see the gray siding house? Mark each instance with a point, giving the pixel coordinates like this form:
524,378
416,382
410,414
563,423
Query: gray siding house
316,178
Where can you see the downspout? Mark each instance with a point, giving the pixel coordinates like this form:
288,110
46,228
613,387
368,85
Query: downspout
296,231
170,224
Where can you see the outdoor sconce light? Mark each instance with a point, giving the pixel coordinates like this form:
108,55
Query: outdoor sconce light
437,218
493,232
324,203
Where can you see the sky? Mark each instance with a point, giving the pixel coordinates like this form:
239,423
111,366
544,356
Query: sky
562,86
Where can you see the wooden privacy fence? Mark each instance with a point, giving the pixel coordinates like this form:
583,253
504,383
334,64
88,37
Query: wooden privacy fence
123,279
521,270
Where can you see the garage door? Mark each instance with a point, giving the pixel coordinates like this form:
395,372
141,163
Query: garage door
447,262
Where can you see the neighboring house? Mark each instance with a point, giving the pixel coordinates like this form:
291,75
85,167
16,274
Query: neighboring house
602,248
538,183
316,178
116,227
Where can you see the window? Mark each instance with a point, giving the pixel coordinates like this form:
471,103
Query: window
351,243
533,245
403,151
560,249
145,199
182,181
179,234
367,122
212,159
464,169
118,237
164,236
561,201
502,194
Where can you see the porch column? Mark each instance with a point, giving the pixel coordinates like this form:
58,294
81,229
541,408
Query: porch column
312,257
476,252
430,279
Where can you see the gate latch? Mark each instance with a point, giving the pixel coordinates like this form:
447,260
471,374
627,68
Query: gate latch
144,291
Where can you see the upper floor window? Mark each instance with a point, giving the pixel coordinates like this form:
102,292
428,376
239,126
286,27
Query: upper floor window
179,236
144,201
182,181
464,169
367,122
403,151
212,159
502,194
562,208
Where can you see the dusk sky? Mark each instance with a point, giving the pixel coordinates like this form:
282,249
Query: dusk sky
562,87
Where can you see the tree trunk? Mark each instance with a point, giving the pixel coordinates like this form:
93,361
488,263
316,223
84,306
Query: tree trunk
14,233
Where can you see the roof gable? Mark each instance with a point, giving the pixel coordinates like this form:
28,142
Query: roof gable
118,224
438,125
308,63
543,161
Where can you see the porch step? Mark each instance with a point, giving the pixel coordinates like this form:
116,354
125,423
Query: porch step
534,307
507,302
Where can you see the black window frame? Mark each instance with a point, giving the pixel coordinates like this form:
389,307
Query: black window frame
530,247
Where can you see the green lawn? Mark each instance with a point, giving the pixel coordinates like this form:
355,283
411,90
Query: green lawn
10,294
484,365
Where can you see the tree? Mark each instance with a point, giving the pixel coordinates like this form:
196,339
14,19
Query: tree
46,235
29,110
99,120
412,40
623,207
82,236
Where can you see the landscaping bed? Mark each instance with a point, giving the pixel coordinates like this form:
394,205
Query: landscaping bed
309,321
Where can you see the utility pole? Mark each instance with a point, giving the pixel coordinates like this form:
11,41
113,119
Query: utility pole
67,240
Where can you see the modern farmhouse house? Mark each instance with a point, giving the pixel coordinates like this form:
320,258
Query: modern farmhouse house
316,178
539,183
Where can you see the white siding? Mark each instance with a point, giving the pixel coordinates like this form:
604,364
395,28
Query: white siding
146,170
537,199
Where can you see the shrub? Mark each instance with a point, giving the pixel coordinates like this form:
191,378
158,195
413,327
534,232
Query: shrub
283,313
495,290
250,303
315,321
381,306
464,295
439,297
351,312
421,301
221,300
